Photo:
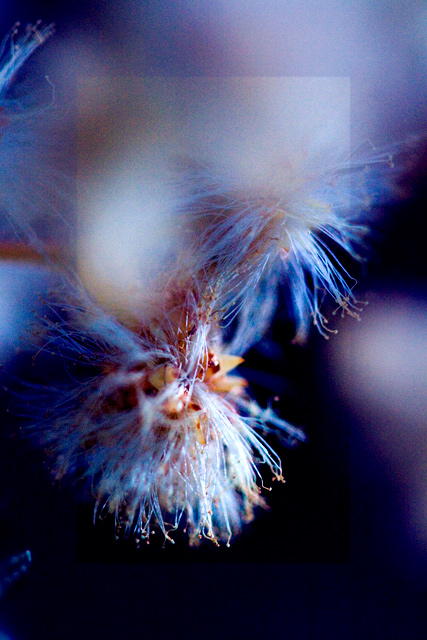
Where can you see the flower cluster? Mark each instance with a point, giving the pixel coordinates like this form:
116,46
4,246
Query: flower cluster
149,414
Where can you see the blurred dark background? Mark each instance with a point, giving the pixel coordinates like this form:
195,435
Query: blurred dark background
342,552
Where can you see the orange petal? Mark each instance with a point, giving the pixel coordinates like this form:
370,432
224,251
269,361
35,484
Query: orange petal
229,362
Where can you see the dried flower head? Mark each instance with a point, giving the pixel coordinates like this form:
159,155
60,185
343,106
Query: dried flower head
31,182
16,48
251,241
162,432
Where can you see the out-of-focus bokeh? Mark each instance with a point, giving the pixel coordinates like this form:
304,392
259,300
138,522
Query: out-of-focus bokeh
342,552
380,370
255,135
